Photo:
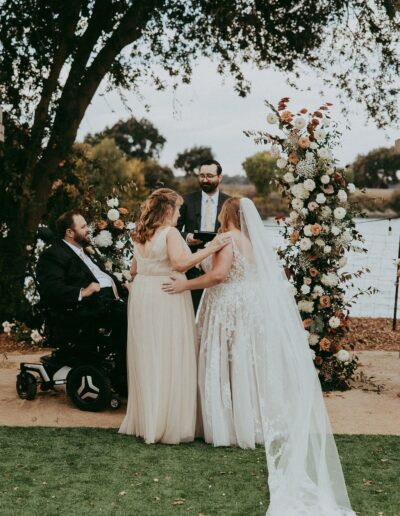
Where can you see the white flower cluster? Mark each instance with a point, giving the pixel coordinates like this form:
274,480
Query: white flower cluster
4,229
307,167
343,355
113,202
305,306
103,239
113,214
329,279
36,337
7,327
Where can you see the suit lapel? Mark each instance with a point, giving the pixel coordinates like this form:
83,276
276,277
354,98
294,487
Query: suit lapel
78,260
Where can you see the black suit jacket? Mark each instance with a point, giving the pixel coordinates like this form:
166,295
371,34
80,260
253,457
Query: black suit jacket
190,218
61,275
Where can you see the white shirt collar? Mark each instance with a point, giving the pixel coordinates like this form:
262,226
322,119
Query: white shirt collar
214,197
78,250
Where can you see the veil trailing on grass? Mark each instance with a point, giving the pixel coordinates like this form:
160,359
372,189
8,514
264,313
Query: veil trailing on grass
304,472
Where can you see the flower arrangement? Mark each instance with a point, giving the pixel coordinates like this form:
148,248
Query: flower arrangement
22,333
110,226
318,232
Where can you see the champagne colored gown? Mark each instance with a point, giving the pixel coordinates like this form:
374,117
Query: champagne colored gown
161,353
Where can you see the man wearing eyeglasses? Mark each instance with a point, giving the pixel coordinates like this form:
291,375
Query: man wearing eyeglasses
200,212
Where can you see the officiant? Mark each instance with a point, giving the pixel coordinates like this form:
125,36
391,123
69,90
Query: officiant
200,211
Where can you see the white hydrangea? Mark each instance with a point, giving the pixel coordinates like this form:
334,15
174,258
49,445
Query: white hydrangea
299,123
335,230
351,188
342,196
326,212
309,184
305,289
318,290
113,202
297,204
306,167
305,244
305,306
119,245
325,179
103,239
329,279
299,191
272,118
325,154
320,134
334,322
339,213
288,177
343,355
321,199
113,214
313,339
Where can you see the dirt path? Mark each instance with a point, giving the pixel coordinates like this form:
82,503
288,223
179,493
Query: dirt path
351,412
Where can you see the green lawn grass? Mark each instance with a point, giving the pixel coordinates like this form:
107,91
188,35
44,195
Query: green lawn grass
52,471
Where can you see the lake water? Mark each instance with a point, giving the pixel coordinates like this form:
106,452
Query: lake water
382,241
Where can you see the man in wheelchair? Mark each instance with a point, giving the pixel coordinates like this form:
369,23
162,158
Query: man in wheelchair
85,320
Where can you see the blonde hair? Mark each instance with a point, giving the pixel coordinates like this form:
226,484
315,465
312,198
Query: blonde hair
153,213
230,212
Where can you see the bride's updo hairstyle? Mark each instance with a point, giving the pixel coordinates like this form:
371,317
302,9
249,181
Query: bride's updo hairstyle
230,212
154,212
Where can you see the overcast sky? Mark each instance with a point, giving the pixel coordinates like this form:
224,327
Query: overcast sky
209,112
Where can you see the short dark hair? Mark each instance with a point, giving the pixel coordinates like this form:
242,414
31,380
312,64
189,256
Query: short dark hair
66,221
212,162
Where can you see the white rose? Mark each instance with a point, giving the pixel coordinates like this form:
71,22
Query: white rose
351,188
313,339
108,265
272,118
330,171
305,244
327,249
113,203
304,212
326,212
309,185
119,245
307,230
319,242
294,215
335,230
318,290
281,163
342,196
325,154
299,123
347,236
312,205
320,198
113,214
343,355
334,322
320,134
342,262
330,279
325,179
288,177
297,204
305,306
339,213
103,239
299,191
305,289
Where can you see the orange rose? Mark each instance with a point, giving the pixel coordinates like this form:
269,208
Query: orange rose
293,158
313,272
294,237
102,224
325,301
316,229
286,116
318,114
303,111
307,323
123,211
304,142
119,224
325,344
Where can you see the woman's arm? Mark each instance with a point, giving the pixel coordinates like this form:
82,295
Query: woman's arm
181,261
221,266
133,269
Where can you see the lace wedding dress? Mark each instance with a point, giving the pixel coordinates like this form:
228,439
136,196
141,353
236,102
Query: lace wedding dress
258,382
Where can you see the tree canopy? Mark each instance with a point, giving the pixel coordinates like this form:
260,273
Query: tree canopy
190,159
260,169
380,168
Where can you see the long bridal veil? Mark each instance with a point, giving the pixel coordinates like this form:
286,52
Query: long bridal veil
304,472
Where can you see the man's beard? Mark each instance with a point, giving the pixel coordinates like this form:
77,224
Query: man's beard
83,240
208,187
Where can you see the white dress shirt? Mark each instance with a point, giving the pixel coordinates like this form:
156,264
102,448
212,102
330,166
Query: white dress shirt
214,202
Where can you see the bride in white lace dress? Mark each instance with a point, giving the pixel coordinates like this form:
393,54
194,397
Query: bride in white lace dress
257,380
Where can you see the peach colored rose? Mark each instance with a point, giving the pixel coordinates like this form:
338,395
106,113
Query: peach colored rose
325,344
102,224
294,237
316,229
123,211
304,142
286,116
325,301
119,224
293,158
313,272
307,323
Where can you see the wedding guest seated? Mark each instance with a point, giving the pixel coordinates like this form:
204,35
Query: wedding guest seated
76,287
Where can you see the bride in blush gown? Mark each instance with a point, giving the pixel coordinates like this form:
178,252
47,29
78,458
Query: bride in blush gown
256,375
162,342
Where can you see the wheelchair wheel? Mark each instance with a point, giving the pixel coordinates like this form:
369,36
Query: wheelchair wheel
89,388
26,386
